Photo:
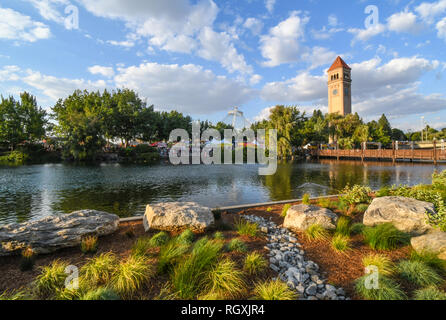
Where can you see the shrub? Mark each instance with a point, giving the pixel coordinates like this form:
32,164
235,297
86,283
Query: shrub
131,274
340,243
343,206
387,289
285,210
141,246
237,245
343,226
439,180
418,273
100,294
357,228
431,259
383,192
246,228
385,265
255,263
324,203
219,236
27,259
429,293
51,279
189,276
274,290
89,244
361,208
269,209
357,194
306,199
225,278
384,237
100,270
159,239
15,158
186,237
169,255
316,232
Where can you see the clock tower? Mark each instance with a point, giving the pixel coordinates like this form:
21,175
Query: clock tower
339,88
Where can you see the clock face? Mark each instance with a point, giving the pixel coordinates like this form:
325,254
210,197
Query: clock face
335,92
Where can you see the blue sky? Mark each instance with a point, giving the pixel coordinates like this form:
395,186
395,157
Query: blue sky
204,57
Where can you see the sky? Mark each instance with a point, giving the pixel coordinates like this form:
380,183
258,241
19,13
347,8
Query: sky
203,57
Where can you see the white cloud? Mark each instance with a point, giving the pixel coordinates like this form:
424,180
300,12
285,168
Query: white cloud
187,88
441,28
269,4
9,73
254,24
282,43
430,10
319,56
125,43
255,79
404,22
263,114
16,26
103,71
366,34
48,9
333,20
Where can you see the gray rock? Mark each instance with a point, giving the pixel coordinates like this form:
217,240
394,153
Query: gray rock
311,289
433,242
174,216
55,232
301,217
406,214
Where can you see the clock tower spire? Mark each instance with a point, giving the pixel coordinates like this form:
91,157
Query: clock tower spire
339,88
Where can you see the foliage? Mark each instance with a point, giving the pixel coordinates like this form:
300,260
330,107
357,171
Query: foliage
246,228
356,194
269,209
357,228
224,277
141,246
324,203
13,296
14,158
255,263
316,232
431,259
170,254
159,239
237,245
89,244
186,237
100,270
51,279
418,273
273,290
219,236
384,237
340,243
285,210
361,208
100,293
383,192
430,293
343,226
385,265
439,180
306,199
388,289
27,259
131,274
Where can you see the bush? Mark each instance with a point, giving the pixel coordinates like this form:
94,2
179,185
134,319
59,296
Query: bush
246,228
357,194
285,210
14,158
340,243
418,273
274,290
357,228
306,199
343,226
169,255
383,192
385,265
439,180
100,270
131,274
89,244
27,259
316,232
100,294
219,236
225,278
388,289
186,237
51,279
237,245
324,203
342,205
361,208
141,246
431,259
255,263
429,293
384,237
159,239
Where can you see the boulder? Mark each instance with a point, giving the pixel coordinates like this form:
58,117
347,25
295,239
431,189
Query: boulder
432,242
301,217
55,232
406,214
176,216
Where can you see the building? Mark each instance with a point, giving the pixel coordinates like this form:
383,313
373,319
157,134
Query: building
339,88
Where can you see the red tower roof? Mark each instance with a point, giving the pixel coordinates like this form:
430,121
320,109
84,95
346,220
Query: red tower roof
339,63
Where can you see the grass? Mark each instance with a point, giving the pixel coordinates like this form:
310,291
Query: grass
388,289
237,245
100,293
431,259
383,192
189,276
361,208
385,237
246,228
131,274
219,236
385,265
306,199
343,226
141,246
13,295
51,279
99,270
224,278
27,259
285,210
255,263
159,239
186,237
89,244
418,273
324,203
429,293
170,254
357,228
340,243
274,290
269,209
316,232
343,206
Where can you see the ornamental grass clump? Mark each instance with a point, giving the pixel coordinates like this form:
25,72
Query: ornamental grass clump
357,228
27,259
246,228
385,237
383,264
219,236
255,263
418,273
89,244
316,232
226,279
430,293
170,254
13,295
361,208
159,239
431,259
306,199
343,226
100,270
141,246
324,203
51,279
131,274
100,293
186,237
385,289
274,290
237,245
340,243
285,210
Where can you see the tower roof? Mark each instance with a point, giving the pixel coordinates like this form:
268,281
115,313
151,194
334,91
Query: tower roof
339,63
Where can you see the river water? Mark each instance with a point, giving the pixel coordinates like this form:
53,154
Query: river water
30,192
